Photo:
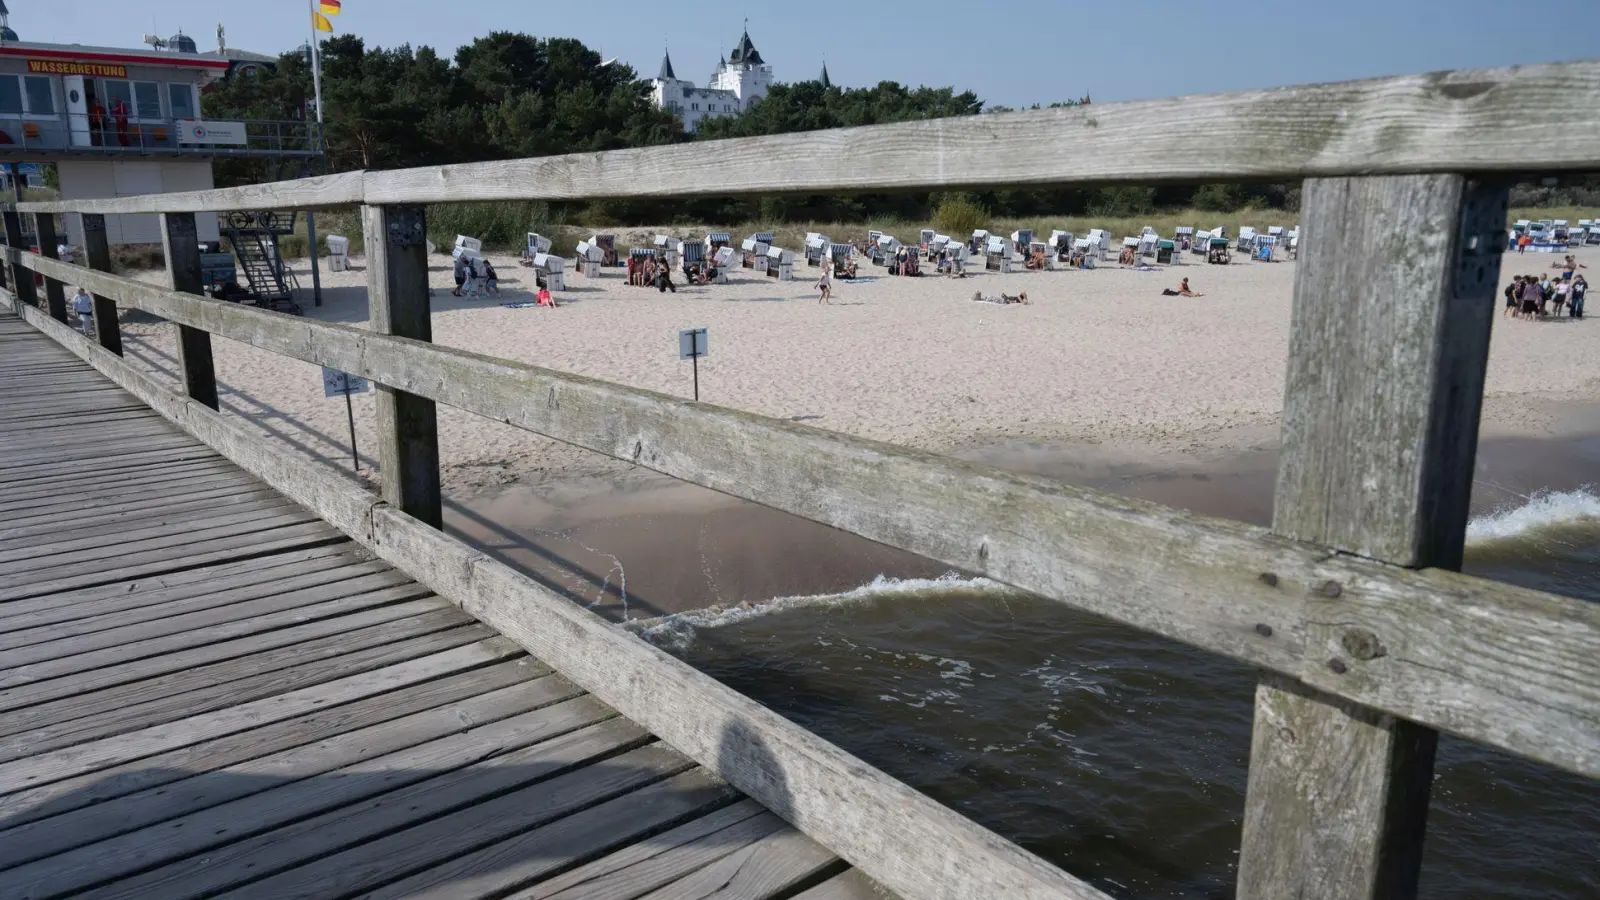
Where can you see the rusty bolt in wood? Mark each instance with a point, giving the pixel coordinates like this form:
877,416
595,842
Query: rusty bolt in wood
1330,589
1338,666
1270,579
1362,644
1264,630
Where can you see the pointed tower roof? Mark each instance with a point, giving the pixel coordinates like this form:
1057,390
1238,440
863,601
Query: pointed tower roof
666,73
746,52
826,81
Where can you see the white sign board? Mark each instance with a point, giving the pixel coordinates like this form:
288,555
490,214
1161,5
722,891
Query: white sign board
196,131
692,343
336,383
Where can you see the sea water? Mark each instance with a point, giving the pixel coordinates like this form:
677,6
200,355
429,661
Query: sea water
1120,756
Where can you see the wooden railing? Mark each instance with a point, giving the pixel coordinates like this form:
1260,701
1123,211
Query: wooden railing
1369,643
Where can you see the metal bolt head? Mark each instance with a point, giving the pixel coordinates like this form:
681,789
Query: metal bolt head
1338,666
1330,589
1264,630
1362,644
1270,579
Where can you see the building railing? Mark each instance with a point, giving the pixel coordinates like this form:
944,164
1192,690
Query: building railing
80,134
1370,644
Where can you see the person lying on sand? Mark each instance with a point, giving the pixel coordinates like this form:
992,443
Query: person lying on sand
1003,299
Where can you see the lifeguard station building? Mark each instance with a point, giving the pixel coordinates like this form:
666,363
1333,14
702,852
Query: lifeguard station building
120,122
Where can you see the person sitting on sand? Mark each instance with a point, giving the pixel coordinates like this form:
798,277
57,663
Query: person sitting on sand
1129,256
1184,291
546,298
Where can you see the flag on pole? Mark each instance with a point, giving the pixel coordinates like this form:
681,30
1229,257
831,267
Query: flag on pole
320,22
329,7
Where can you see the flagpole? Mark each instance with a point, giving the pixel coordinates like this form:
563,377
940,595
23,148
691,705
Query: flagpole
311,218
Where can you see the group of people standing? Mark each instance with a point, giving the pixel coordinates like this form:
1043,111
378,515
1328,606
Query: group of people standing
1532,297
475,275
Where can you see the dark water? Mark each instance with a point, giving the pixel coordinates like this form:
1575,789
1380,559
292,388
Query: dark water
1122,757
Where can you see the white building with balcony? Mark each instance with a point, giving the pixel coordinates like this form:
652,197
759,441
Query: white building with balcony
739,82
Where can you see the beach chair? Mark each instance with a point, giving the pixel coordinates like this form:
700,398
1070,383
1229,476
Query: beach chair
588,259
927,236
338,253
608,249
780,264
550,270
1021,238
816,248
1148,243
979,240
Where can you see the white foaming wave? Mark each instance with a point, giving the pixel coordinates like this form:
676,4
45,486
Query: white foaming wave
1541,509
678,630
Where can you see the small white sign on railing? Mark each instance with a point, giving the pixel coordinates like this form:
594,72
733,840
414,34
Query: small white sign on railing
342,384
197,131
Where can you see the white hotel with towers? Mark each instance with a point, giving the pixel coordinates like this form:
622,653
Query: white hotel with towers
738,83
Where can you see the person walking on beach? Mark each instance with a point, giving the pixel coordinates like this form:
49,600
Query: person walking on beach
1580,286
491,279
461,275
83,305
825,285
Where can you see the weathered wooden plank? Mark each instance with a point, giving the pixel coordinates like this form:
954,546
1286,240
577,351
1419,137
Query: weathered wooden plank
97,253
158,598
118,645
167,545
397,297
240,688
430,781
319,192
580,836
210,551
1470,120
44,225
82,519
136,606
372,746
852,885
225,753
115,687
637,783
32,462
182,585
204,473
1394,300
87,533
71,761
383,790
640,867
771,867
116,460
181,242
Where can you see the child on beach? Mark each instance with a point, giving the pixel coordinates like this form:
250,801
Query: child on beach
461,275
545,298
491,280
83,305
825,285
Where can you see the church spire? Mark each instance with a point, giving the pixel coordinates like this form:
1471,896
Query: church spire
826,81
666,73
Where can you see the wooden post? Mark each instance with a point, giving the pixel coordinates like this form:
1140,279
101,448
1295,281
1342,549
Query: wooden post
20,280
44,225
1394,302
97,254
181,244
397,297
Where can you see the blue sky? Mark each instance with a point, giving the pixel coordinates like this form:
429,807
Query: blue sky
1032,51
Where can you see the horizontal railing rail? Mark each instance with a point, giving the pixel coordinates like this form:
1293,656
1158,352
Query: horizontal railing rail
1465,121
1509,667
1370,644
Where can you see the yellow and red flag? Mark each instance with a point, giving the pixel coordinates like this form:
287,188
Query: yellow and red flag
329,7
320,22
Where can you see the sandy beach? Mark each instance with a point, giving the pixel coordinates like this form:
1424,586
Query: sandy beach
1099,381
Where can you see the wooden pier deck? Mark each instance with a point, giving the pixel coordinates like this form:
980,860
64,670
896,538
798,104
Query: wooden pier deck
206,690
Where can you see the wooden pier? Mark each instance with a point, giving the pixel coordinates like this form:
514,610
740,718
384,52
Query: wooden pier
204,688
1369,644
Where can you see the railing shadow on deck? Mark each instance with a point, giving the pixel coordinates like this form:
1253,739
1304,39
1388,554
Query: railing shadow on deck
1349,599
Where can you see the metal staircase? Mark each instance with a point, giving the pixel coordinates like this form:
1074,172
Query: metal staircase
269,281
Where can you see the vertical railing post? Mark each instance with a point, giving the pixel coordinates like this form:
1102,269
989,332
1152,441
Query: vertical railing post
44,225
180,241
1394,303
20,280
97,254
397,297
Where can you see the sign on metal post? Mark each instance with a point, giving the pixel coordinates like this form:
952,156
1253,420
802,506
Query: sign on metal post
336,383
691,346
